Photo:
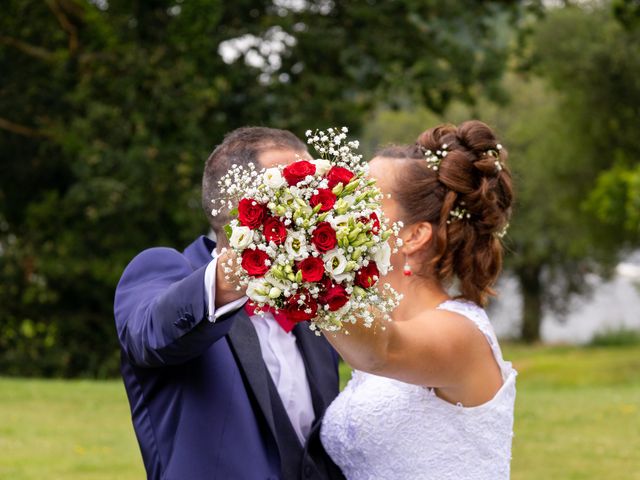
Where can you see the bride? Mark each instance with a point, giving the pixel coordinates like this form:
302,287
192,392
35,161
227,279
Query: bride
431,396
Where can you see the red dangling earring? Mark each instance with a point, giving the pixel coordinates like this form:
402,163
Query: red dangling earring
406,270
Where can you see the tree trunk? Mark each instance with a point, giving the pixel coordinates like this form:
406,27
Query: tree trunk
531,289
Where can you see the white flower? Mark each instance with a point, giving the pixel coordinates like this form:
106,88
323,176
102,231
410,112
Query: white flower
296,246
274,292
241,237
258,290
335,262
273,178
322,166
382,257
349,200
340,222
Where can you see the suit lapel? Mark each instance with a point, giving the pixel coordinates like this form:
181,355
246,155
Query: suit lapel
246,346
316,354
199,252
323,382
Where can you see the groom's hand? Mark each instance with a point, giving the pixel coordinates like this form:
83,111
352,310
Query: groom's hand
227,280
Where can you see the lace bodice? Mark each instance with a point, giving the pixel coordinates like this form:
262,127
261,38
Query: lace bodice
380,428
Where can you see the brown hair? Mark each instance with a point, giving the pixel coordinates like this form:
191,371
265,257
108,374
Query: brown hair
241,146
472,176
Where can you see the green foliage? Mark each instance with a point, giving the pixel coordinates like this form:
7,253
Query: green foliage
616,338
627,12
594,57
616,199
593,63
572,134
108,115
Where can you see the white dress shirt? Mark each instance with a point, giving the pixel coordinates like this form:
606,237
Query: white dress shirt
280,354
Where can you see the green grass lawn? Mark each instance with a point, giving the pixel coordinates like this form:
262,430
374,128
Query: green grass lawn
577,417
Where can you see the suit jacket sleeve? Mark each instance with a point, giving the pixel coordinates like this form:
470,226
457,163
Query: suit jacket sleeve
161,310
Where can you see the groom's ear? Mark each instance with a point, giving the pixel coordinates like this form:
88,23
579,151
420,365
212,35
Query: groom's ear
417,237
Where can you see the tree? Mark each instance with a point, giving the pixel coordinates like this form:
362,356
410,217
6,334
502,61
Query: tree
616,198
593,63
109,109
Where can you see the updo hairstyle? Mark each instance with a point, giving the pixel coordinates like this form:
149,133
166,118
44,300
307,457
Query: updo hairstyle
457,179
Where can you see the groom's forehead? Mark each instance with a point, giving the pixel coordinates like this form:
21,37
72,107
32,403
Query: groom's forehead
279,156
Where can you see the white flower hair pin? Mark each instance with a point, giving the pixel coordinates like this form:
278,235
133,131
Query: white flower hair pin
503,231
458,213
495,153
435,159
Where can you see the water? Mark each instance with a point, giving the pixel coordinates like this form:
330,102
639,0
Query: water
612,305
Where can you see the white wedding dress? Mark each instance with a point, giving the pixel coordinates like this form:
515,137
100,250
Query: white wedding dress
380,428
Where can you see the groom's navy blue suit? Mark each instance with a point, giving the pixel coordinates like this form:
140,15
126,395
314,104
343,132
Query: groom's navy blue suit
202,400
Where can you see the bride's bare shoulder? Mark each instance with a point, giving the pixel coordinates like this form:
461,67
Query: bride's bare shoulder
452,328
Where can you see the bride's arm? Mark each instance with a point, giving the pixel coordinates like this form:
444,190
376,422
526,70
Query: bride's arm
432,349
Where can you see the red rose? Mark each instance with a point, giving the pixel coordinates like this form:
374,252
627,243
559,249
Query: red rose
299,313
339,175
324,197
275,230
324,237
251,213
364,276
336,296
254,262
312,269
298,171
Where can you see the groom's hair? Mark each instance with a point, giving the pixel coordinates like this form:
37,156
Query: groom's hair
241,147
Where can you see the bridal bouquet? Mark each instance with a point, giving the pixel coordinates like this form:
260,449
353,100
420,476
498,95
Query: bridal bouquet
310,237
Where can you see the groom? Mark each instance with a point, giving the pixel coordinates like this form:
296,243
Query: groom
217,393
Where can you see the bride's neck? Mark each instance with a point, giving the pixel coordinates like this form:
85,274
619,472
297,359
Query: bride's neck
419,294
